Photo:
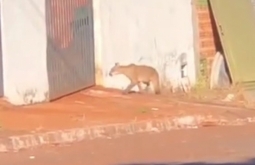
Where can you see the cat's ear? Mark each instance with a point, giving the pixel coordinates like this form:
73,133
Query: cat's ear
117,64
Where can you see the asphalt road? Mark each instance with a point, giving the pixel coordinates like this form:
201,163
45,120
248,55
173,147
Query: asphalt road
207,146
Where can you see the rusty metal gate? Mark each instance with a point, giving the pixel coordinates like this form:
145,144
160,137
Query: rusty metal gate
70,47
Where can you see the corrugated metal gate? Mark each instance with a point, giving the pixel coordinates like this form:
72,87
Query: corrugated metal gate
70,48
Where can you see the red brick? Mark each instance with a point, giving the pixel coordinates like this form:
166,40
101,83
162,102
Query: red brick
204,16
205,26
205,34
203,12
207,43
202,8
207,53
207,46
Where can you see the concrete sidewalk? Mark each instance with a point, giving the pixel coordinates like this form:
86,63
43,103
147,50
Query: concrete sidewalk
107,114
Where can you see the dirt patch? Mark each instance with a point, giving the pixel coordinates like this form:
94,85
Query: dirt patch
229,97
99,106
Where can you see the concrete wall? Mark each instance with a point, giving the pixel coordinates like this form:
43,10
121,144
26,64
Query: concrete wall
150,32
24,51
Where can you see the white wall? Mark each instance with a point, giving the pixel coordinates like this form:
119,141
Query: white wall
24,51
148,32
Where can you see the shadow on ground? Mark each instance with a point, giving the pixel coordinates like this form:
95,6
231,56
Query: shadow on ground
249,162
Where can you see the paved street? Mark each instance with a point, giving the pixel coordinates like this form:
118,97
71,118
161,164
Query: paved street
208,145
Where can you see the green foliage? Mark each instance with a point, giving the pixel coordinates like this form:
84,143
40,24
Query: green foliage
203,77
202,3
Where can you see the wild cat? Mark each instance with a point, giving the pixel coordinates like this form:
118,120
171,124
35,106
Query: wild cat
137,74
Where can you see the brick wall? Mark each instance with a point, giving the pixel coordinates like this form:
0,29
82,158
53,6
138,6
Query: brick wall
207,38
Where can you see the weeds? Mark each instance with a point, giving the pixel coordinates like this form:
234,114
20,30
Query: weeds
203,77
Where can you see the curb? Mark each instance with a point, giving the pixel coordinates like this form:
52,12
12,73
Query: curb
17,143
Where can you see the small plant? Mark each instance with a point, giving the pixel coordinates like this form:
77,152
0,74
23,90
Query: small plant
203,77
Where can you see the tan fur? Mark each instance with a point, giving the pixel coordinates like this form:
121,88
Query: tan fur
138,74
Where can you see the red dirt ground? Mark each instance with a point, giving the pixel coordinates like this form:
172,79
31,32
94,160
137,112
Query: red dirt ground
97,106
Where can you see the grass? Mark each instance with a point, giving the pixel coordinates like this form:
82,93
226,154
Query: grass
203,77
